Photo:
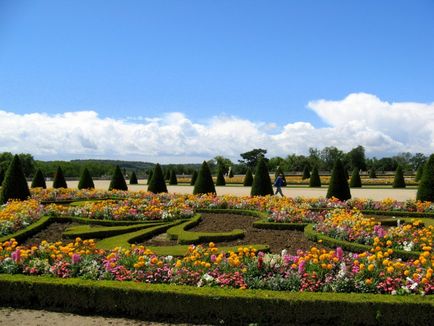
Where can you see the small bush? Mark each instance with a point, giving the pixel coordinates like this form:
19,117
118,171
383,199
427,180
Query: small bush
133,179
39,180
14,185
118,181
220,178
315,181
86,181
59,179
2,176
248,179
204,183
398,181
338,186
157,183
261,182
167,177
419,173
372,173
149,177
306,173
173,180
355,181
193,178
425,191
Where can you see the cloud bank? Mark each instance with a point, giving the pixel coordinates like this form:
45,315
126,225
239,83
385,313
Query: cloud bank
359,119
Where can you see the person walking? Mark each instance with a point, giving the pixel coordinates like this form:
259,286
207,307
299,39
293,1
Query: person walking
278,183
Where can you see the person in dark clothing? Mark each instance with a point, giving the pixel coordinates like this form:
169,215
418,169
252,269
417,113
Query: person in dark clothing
279,183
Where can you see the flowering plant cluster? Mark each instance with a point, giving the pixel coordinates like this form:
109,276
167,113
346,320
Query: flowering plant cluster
16,215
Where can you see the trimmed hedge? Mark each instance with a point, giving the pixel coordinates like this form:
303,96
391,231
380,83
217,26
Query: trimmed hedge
248,178
59,179
86,181
118,181
261,182
38,180
204,183
14,185
177,304
86,232
157,184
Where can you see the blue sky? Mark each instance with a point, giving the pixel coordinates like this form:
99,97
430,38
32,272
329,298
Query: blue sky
257,61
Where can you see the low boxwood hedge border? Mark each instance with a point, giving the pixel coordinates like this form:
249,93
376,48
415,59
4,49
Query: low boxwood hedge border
186,304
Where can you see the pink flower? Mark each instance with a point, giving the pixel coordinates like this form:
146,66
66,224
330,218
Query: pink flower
75,258
301,266
339,253
213,258
16,255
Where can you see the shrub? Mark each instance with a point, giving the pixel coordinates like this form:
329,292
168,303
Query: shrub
118,180
167,177
14,185
419,173
173,180
133,179
315,181
425,192
279,171
39,180
399,181
220,178
248,179
59,180
86,181
2,176
193,178
261,182
355,181
338,186
306,173
231,173
157,183
372,173
204,183
150,173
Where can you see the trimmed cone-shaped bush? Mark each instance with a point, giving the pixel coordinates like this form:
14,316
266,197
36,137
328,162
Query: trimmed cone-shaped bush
248,178
306,173
39,180
338,186
346,174
231,173
150,173
425,192
372,174
261,182
167,177
2,176
14,184
279,171
193,178
204,183
315,181
398,181
173,180
220,178
356,181
133,179
86,181
157,183
419,173
118,180
59,180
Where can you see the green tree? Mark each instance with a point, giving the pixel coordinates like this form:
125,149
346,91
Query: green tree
223,163
14,184
86,181
356,181
419,173
39,180
193,178
231,172
248,178
251,158
338,186
357,158
173,180
118,181
150,173
425,191
306,173
133,178
399,181
157,183
220,178
261,182
204,183
59,179
315,180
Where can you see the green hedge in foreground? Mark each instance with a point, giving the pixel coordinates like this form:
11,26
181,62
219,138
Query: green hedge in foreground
186,304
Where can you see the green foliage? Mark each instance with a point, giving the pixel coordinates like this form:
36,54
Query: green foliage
248,179
204,183
372,173
157,183
356,181
315,181
14,185
86,181
59,179
133,178
150,173
425,191
118,181
2,176
338,186
220,178
357,158
167,177
231,172
27,162
261,182
39,180
399,181
173,180
419,173
193,178
306,173
252,157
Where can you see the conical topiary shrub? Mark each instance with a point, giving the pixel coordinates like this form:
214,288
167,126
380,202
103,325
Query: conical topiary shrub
346,174
306,173
356,181
315,181
14,184
118,180
39,180
86,181
59,180
425,192
150,173
220,178
204,183
157,183
248,178
173,180
279,171
167,177
193,178
338,186
398,181
419,173
133,179
261,182
231,173
372,173
2,176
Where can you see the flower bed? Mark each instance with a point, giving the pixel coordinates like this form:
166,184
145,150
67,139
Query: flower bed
16,215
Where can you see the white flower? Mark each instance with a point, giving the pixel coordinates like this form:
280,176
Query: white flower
284,252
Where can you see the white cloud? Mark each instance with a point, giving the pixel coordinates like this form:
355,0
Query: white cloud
358,119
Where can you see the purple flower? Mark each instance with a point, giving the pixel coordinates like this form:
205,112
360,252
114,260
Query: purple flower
75,258
16,255
339,253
